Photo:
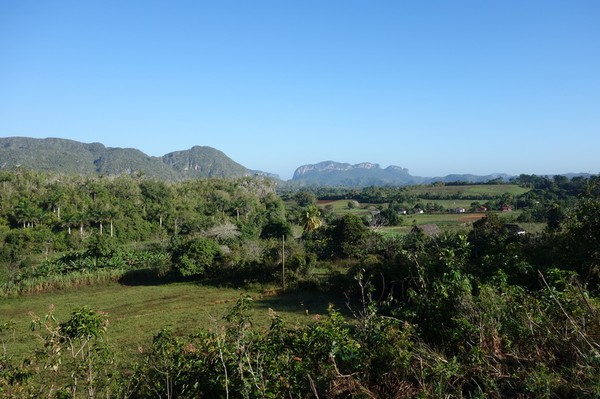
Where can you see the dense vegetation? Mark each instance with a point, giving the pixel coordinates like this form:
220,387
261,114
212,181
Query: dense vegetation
484,312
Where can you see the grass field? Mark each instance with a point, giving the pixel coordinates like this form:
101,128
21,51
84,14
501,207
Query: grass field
137,313
447,222
451,204
482,190
340,207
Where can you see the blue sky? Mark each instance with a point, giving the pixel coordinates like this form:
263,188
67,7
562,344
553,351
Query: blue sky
437,87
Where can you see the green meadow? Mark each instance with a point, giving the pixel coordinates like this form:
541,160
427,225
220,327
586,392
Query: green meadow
482,190
138,312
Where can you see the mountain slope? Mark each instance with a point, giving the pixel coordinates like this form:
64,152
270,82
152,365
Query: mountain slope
48,154
200,162
116,161
69,156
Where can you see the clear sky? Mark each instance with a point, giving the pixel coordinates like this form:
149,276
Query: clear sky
437,87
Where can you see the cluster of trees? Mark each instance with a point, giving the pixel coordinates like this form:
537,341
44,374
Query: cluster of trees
47,218
548,198
142,206
370,194
485,313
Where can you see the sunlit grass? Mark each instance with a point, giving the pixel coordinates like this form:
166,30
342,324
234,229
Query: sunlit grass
137,313
457,222
483,190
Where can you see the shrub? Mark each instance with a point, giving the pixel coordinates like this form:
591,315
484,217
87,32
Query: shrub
196,257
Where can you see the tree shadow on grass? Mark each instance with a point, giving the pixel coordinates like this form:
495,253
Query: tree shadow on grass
150,277
303,301
154,277
308,302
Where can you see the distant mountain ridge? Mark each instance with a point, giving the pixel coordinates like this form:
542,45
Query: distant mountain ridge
330,173
73,157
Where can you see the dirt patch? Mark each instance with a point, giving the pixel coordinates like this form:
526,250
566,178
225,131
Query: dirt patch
472,217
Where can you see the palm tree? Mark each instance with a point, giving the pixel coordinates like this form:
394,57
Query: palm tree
312,219
81,218
26,213
56,198
67,221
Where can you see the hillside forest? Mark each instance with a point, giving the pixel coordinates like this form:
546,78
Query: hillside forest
483,310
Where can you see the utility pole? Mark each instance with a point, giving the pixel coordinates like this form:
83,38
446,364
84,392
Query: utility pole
283,263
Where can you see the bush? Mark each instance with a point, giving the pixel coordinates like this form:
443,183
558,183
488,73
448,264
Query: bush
196,257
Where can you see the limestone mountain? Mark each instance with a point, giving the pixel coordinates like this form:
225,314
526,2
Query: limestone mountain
49,154
73,157
200,162
330,173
